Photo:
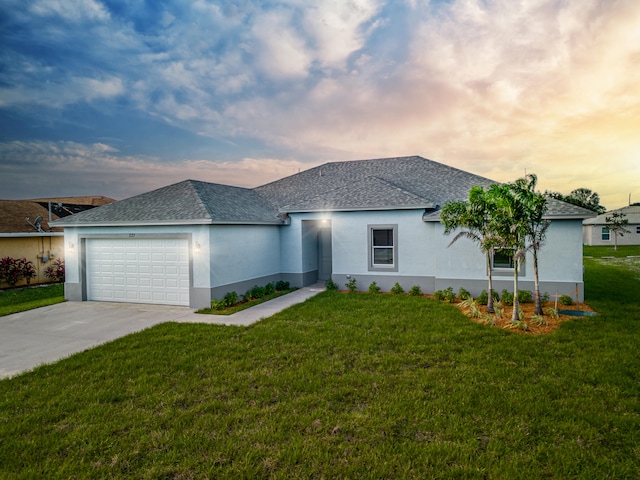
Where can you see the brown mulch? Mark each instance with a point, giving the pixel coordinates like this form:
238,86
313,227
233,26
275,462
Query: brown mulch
532,327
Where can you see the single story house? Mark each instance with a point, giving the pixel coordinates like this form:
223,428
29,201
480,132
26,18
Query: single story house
596,232
372,220
25,230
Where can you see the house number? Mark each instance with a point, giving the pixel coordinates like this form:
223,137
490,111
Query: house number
132,235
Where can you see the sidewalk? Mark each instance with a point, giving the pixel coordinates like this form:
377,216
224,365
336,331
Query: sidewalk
258,312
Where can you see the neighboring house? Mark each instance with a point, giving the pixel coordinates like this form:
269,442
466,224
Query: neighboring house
595,231
373,220
25,230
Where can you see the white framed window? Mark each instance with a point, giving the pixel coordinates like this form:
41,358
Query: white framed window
383,248
606,234
502,258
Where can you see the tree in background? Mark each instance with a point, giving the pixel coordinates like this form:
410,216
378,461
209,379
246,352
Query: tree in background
616,223
474,218
582,197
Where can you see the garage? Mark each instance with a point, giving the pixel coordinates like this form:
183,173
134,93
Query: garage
138,270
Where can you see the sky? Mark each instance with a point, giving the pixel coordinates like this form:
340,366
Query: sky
119,97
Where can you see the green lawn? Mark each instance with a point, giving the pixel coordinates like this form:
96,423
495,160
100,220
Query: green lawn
21,299
343,386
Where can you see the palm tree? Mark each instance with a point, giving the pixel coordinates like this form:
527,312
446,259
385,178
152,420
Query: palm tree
509,221
474,217
535,226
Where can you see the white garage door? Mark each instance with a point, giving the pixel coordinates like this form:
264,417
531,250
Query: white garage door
138,270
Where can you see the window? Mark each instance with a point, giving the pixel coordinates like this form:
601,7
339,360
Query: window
638,230
503,258
606,235
383,251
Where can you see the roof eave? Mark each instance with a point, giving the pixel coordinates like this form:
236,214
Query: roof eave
30,234
161,223
357,209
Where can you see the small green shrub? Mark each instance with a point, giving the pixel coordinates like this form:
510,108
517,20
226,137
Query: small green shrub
525,296
565,300
449,296
331,285
415,291
463,294
230,299
507,297
539,320
544,297
498,309
282,285
374,287
517,324
483,298
397,289
248,296
552,312
218,304
438,295
472,306
269,289
352,285
257,292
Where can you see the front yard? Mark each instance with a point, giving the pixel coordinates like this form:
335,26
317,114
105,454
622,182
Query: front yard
343,386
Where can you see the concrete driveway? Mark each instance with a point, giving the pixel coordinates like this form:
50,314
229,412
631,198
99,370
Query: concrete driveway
47,334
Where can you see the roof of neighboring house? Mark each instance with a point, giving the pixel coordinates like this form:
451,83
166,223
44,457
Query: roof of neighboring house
380,184
632,214
14,213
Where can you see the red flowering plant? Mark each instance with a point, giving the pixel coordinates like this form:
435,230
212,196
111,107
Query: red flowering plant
11,270
56,271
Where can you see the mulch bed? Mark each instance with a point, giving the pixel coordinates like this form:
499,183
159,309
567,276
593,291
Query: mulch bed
528,309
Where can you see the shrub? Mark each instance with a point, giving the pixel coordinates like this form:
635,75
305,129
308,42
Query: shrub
463,294
269,289
11,270
525,296
449,296
565,300
483,298
257,292
552,312
230,299
539,320
438,295
55,271
331,285
218,304
498,309
415,291
397,289
374,287
544,297
282,285
472,306
352,285
507,297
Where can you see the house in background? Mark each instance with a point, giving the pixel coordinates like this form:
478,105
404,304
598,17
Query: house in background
595,231
25,230
372,220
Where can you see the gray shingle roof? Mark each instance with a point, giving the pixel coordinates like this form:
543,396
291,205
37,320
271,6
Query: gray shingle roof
381,184
631,213
186,202
388,183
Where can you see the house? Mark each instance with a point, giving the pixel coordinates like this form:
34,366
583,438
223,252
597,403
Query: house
372,220
595,231
26,230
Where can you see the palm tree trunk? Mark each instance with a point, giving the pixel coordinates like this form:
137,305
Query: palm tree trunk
490,299
516,305
538,307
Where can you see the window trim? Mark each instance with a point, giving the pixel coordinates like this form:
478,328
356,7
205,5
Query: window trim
607,232
502,271
638,230
370,249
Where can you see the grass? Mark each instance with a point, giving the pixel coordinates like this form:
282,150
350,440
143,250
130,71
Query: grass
21,299
342,386
238,307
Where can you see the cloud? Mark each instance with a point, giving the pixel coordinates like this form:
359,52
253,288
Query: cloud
57,168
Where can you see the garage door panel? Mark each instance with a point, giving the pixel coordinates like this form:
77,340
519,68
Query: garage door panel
138,270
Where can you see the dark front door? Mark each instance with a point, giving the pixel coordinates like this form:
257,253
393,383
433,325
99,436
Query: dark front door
324,254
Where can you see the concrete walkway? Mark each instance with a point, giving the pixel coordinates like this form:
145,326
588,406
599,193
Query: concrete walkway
47,334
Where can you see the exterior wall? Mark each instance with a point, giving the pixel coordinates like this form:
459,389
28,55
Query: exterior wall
592,235
36,249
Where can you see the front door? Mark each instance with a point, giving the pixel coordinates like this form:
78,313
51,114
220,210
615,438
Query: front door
324,254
